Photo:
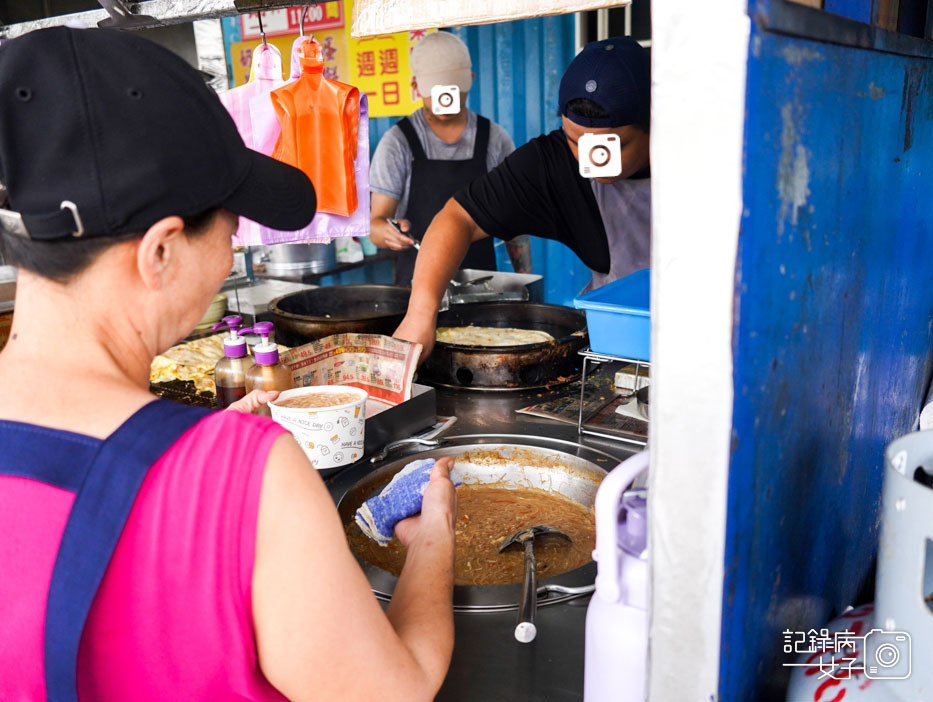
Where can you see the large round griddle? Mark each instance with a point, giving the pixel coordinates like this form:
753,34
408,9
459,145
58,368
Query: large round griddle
508,367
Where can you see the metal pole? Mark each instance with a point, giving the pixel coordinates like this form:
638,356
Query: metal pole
602,24
579,40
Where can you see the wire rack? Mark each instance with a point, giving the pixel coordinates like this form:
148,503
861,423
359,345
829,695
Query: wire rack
591,357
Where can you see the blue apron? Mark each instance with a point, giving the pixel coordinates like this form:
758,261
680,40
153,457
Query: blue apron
106,489
625,207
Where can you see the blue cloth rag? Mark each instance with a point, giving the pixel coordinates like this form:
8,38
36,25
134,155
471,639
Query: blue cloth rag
400,499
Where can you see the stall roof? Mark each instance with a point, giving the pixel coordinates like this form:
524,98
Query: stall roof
384,16
152,13
370,17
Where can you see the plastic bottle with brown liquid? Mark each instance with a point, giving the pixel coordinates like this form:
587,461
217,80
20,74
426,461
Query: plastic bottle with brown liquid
267,372
230,371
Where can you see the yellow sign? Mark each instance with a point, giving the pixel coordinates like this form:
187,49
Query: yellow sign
379,67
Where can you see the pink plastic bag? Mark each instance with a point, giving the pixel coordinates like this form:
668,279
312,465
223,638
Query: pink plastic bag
265,125
265,75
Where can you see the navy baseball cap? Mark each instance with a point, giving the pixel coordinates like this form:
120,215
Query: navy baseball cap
104,133
614,73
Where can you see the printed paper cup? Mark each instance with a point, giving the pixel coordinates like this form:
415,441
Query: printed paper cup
331,436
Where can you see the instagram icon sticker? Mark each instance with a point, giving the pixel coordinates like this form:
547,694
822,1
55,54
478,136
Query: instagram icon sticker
887,655
445,99
600,155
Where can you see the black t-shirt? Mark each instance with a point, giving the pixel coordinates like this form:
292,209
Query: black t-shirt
538,190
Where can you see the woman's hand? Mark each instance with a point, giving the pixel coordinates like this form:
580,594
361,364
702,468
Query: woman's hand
439,508
253,401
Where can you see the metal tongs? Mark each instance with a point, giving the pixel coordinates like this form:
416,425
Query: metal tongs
398,227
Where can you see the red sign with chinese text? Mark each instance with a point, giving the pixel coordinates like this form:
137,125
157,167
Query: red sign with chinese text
328,15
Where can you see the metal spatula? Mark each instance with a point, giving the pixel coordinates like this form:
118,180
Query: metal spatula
525,630
471,282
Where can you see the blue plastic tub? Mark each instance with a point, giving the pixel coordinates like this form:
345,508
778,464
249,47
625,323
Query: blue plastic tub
618,316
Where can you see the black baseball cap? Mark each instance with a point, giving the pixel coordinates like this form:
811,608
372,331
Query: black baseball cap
614,73
104,133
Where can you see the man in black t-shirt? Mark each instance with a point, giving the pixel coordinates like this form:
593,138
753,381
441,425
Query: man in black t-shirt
539,189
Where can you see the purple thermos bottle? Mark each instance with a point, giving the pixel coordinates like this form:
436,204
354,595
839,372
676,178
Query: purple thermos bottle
616,654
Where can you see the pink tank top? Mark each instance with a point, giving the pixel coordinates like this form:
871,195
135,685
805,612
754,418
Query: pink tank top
172,619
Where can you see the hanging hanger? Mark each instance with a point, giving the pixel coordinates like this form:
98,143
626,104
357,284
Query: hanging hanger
301,40
262,49
262,32
304,15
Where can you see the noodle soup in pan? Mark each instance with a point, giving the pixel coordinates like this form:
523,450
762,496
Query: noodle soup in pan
505,490
486,515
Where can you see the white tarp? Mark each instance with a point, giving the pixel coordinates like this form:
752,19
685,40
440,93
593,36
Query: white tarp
212,58
386,16
699,54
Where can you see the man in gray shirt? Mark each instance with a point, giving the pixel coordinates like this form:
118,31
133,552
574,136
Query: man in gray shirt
426,157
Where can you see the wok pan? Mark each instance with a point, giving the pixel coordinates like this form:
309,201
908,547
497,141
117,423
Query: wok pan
313,314
508,367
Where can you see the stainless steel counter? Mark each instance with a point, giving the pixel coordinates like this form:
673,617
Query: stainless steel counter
488,663
494,412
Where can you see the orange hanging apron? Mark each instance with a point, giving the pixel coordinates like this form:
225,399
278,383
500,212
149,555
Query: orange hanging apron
320,121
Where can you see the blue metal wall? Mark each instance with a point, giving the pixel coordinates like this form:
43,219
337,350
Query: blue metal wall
853,9
832,339
518,66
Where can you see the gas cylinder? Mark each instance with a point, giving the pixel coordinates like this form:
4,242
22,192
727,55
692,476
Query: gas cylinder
880,652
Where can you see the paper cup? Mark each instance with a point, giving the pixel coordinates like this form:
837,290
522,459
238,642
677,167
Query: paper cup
331,437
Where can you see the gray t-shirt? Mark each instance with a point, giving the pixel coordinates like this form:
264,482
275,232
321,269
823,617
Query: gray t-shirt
390,169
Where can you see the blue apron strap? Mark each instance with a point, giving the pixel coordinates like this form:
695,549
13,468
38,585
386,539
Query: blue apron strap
98,515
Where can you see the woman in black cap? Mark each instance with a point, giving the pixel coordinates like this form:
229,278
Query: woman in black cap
539,189
151,550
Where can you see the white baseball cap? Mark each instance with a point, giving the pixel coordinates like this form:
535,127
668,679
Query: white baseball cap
441,58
